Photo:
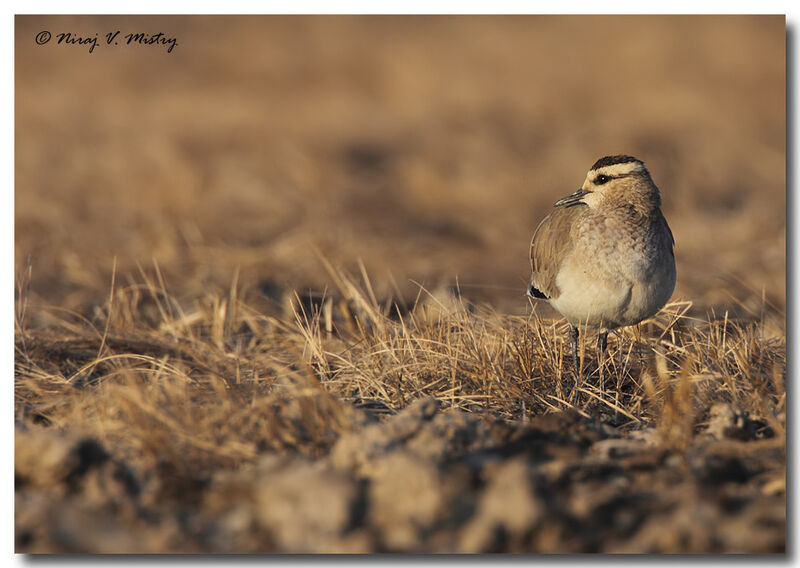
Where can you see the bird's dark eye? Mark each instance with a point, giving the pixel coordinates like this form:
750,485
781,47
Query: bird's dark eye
601,179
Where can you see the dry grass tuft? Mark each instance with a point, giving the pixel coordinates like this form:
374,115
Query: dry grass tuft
185,393
218,382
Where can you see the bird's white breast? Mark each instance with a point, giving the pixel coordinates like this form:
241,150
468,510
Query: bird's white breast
616,275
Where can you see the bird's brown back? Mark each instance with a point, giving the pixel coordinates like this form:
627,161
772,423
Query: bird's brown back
551,243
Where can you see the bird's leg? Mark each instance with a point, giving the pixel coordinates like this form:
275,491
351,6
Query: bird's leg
602,344
573,343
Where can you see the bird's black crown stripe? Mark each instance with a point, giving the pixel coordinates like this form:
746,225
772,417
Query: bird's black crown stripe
611,160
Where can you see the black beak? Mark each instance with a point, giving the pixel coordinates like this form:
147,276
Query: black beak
571,199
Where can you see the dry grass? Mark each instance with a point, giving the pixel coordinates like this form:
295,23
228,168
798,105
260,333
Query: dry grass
184,396
213,385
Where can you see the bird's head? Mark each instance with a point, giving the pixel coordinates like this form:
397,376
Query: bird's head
616,180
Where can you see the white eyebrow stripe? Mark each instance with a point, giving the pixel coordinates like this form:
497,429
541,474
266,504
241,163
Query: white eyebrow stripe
619,170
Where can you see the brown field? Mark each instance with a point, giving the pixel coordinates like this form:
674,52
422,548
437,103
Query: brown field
270,287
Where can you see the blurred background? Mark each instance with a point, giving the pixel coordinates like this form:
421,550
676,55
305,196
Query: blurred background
427,147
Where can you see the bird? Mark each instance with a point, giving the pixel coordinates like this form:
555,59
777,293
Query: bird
604,257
